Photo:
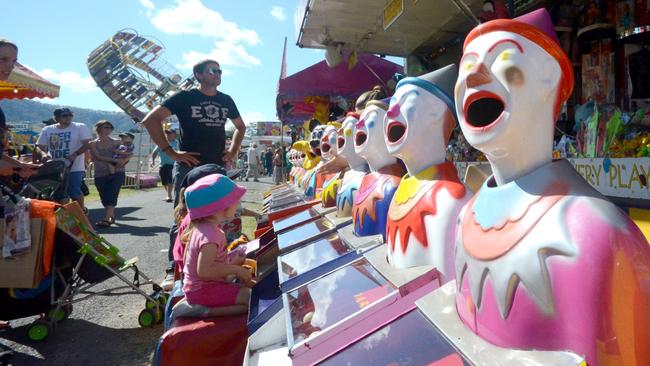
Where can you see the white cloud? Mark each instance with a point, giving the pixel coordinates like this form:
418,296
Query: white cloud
192,17
225,53
70,80
148,4
278,13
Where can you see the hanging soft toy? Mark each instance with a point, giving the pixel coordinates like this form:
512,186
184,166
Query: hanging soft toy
321,108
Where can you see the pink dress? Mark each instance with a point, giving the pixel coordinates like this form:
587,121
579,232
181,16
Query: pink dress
200,291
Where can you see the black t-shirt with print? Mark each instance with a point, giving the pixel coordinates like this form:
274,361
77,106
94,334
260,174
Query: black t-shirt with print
202,121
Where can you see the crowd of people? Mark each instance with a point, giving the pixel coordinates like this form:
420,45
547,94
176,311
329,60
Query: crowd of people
269,162
206,222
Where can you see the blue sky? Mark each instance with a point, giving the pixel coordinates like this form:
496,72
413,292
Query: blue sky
246,37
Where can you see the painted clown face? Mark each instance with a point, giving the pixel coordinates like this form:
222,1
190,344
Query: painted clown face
417,126
505,84
345,141
328,142
314,139
369,137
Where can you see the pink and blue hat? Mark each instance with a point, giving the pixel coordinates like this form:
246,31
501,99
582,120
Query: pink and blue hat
211,194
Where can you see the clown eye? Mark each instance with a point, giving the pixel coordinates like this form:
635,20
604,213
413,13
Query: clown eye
505,55
468,66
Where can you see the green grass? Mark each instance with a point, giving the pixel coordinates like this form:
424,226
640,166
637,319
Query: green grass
249,225
124,192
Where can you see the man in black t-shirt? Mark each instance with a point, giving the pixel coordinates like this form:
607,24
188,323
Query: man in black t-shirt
202,114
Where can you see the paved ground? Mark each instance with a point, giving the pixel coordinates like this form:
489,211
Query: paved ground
105,330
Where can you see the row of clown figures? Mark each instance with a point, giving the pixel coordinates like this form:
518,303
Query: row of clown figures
541,259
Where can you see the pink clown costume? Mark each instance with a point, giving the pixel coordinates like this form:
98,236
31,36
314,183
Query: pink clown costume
543,261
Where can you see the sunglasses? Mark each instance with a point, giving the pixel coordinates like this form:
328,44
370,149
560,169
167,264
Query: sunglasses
66,115
109,127
215,71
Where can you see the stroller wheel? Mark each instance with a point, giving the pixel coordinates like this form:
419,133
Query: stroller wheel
147,318
162,299
39,330
62,314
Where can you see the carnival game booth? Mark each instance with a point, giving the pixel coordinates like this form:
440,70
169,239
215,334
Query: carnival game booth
503,287
23,83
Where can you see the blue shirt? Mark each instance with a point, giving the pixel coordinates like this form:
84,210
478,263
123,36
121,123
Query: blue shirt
164,158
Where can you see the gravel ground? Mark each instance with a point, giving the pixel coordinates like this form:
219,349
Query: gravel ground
105,330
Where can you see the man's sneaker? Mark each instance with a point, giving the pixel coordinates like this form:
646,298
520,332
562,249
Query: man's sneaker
168,283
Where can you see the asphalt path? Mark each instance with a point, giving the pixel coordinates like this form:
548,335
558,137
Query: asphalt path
105,330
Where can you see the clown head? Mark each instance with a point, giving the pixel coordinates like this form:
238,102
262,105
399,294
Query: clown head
309,159
329,140
369,140
345,143
420,119
314,139
512,81
293,155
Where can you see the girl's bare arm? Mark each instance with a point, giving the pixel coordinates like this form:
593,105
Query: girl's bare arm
208,269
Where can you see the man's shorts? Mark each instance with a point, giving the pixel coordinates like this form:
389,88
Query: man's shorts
74,184
166,176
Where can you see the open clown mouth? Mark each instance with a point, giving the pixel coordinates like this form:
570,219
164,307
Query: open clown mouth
395,131
340,142
360,138
483,109
325,147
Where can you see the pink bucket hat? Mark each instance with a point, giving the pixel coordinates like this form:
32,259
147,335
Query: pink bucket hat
211,194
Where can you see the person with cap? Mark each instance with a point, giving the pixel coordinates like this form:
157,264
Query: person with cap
108,181
67,141
214,278
165,170
202,114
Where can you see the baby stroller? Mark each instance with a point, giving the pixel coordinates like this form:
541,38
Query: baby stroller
81,260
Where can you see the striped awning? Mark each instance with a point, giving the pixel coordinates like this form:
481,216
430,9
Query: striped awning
24,83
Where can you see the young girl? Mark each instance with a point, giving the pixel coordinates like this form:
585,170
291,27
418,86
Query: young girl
214,279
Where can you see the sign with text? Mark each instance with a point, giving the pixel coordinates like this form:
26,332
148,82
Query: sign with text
620,177
392,11
624,177
268,128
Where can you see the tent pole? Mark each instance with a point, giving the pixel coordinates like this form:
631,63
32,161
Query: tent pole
282,149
